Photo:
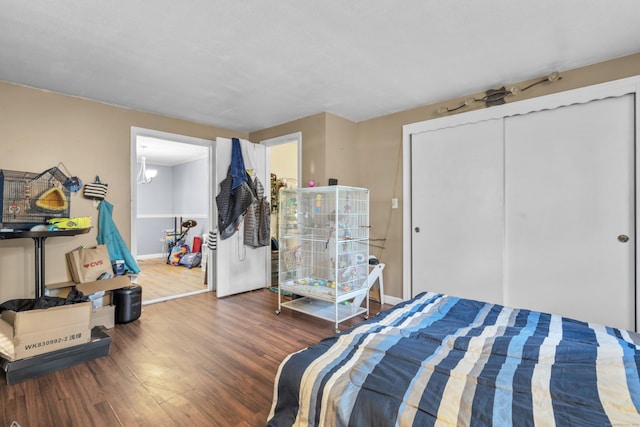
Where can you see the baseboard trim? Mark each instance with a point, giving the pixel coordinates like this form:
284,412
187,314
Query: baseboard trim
388,299
150,256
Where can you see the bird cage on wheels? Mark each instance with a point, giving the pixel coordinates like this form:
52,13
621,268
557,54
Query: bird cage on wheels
28,199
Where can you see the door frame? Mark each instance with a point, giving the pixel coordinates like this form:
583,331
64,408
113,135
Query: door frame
280,140
285,139
630,85
135,133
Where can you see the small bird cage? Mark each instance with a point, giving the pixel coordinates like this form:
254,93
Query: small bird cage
28,199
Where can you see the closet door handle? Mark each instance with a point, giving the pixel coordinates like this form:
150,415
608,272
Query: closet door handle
623,238
417,229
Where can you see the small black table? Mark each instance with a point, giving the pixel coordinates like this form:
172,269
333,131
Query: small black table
38,238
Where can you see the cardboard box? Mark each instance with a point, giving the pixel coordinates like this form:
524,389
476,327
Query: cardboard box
62,290
100,299
117,282
104,316
88,288
33,332
99,291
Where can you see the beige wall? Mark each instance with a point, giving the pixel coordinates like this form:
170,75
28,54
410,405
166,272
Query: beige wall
341,154
328,148
313,142
284,161
39,130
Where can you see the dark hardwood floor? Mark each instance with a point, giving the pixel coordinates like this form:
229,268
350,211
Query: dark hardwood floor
194,361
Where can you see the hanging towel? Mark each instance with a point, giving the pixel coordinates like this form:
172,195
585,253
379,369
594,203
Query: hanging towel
212,240
109,235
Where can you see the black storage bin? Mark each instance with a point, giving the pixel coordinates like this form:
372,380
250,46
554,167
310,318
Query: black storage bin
128,302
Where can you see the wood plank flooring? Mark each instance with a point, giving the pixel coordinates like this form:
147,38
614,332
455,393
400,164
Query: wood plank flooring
161,280
193,361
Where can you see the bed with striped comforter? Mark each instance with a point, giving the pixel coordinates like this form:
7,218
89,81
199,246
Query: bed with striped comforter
443,360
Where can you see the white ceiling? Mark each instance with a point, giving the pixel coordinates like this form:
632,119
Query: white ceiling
168,153
247,65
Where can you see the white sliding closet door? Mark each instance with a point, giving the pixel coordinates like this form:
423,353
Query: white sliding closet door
569,195
457,211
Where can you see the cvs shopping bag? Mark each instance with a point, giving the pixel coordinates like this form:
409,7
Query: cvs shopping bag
87,264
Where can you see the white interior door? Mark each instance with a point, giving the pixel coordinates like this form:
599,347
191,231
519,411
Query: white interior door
457,211
569,195
239,268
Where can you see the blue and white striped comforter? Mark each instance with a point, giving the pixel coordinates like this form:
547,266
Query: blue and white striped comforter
442,360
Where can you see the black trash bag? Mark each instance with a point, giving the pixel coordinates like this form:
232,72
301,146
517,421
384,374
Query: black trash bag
25,304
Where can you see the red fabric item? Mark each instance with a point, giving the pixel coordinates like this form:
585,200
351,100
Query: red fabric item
197,244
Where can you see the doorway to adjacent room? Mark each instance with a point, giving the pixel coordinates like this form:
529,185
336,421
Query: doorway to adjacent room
170,191
284,163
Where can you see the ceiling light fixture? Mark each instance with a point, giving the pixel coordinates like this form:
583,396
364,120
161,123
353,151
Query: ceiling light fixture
145,176
497,96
